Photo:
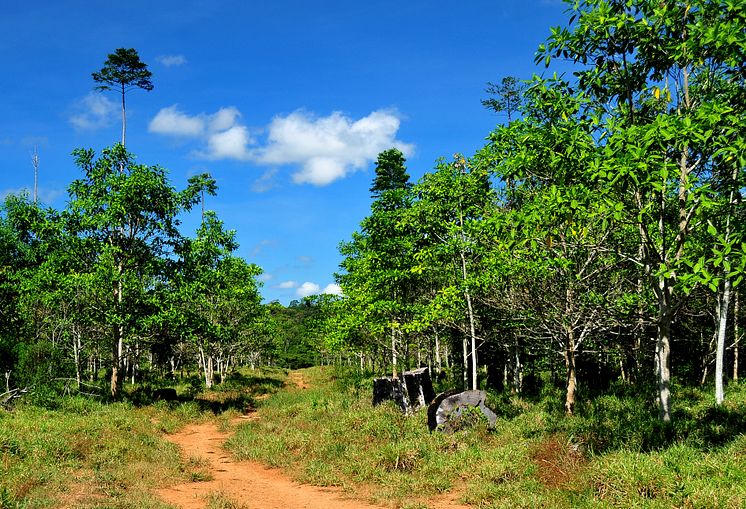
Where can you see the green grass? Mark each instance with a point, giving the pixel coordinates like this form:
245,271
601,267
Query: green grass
613,453
84,453
77,452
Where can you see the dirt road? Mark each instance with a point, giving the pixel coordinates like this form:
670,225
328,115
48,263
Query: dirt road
248,484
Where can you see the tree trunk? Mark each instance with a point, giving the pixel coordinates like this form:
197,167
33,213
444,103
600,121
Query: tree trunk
736,337
517,369
663,353
116,362
720,350
465,348
76,355
393,352
571,378
124,118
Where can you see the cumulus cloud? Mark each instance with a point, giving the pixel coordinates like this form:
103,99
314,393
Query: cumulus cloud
308,288
172,122
323,149
221,133
264,277
93,111
171,60
230,143
329,148
332,289
287,285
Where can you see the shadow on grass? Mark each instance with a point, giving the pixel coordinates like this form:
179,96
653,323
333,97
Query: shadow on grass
238,392
628,420
219,402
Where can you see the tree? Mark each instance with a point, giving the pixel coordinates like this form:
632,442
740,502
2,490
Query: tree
507,96
126,214
660,136
565,271
123,71
214,295
377,279
452,202
206,184
391,173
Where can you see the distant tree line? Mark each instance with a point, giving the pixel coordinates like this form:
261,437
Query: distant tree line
109,288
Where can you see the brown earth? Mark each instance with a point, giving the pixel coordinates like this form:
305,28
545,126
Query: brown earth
559,464
297,379
251,484
246,482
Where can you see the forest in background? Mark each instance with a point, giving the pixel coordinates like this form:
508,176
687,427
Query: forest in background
596,239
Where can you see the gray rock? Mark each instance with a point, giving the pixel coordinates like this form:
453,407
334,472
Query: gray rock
448,410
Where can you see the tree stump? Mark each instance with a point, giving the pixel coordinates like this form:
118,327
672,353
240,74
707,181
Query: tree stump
167,394
411,392
449,411
389,389
419,387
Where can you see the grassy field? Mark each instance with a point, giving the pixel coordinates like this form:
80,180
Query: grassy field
74,452
614,453
79,453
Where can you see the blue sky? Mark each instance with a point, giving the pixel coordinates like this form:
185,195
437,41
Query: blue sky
286,103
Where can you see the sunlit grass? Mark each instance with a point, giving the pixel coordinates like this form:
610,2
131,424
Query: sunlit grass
614,453
82,453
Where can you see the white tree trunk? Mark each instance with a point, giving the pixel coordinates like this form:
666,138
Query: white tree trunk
736,336
720,349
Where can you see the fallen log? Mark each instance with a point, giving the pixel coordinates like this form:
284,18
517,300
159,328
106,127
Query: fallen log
7,397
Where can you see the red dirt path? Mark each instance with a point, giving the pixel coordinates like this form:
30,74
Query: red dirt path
251,484
248,483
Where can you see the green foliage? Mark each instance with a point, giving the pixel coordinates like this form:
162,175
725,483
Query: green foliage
391,173
505,96
123,70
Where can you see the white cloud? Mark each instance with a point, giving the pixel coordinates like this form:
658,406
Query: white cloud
171,60
171,121
324,149
264,277
229,144
265,182
329,148
223,119
332,289
221,133
307,289
287,284
93,111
